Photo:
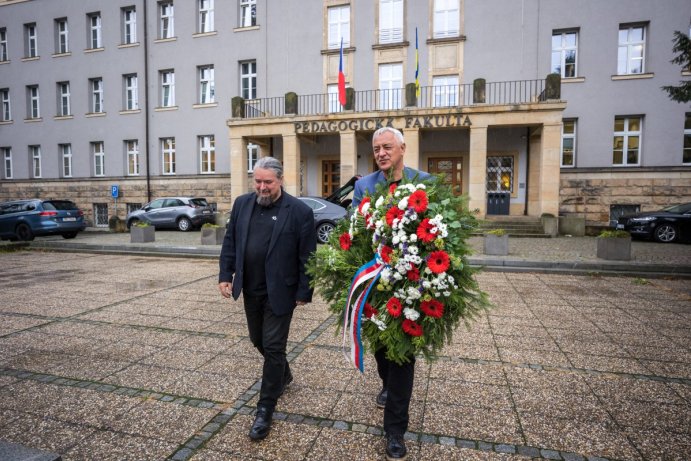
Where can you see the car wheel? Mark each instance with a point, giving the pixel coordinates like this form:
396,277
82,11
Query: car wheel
665,233
69,235
132,222
24,233
184,224
324,230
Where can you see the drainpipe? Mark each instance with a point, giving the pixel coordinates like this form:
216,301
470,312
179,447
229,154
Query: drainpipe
146,101
527,168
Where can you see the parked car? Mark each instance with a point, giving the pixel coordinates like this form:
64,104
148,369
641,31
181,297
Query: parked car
26,219
183,213
326,215
342,196
668,225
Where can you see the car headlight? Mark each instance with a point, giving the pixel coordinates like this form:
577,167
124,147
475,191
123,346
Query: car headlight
644,219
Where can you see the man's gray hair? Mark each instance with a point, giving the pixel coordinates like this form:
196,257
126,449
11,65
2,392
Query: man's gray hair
270,163
397,134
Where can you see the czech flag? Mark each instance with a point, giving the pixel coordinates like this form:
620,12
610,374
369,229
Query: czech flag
341,79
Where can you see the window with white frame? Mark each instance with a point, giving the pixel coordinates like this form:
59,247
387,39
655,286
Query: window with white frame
62,42
64,99
167,88
129,25
390,21
332,98
445,91
248,13
99,158
3,45
339,26
627,141
33,102
207,89
206,16
65,151
168,155
131,93
564,53
166,20
686,154
95,38
248,79
7,162
568,143
6,114
390,86
447,18
35,155
252,156
207,154
132,152
631,54
30,40
96,89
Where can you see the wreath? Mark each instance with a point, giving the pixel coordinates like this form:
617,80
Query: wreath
404,250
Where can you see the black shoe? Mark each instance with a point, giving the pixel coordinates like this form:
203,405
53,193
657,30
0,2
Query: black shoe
262,424
381,398
288,379
395,448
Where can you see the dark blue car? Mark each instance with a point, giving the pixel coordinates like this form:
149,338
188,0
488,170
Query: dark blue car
25,219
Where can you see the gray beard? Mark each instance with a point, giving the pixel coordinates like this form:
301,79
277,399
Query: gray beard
264,201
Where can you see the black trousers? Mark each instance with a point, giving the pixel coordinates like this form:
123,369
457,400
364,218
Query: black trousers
398,381
269,334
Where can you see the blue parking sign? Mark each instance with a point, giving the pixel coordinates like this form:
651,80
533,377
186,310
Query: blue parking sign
114,191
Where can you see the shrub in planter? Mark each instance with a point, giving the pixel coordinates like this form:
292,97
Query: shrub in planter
141,232
614,245
496,242
115,224
212,234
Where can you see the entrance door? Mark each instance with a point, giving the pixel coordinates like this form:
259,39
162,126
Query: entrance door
451,168
331,176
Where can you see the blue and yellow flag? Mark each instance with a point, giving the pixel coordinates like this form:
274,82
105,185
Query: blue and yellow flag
417,68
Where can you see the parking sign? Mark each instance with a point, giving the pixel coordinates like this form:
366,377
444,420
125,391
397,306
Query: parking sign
115,191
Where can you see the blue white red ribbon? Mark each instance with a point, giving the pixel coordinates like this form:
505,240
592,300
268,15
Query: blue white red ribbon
366,277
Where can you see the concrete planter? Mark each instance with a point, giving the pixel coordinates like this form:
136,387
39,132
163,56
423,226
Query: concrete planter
142,234
497,245
213,235
572,225
614,248
551,225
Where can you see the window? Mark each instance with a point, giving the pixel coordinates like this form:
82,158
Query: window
166,20
30,40
446,18
627,141
7,161
131,96
445,91
248,79
333,102
3,45
568,143
6,114
252,156
129,25
33,106
99,158
96,88
339,26
390,86
101,214
66,155
390,21
207,154
168,155
686,155
564,49
94,39
35,154
64,107
248,13
206,85
206,16
500,174
631,55
132,149
167,88
62,43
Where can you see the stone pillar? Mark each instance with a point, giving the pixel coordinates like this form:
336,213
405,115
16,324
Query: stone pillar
477,176
412,150
291,164
238,167
348,159
549,169
533,193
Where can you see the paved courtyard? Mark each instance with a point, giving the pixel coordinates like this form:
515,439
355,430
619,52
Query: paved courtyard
111,357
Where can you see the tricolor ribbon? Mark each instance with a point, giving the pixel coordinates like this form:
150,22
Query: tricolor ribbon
366,277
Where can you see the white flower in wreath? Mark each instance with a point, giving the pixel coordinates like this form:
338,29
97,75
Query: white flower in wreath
413,238
411,314
379,323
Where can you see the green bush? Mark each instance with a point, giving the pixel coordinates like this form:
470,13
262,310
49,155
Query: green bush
141,224
620,234
497,232
208,225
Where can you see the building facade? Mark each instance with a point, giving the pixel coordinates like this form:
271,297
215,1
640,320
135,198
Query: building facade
178,97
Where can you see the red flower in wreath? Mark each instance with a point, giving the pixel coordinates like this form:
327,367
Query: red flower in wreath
393,213
392,188
418,200
424,231
432,308
438,261
412,328
370,311
362,204
345,241
413,274
394,307
385,253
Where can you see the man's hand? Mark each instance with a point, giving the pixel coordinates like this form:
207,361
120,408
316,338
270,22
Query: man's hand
226,289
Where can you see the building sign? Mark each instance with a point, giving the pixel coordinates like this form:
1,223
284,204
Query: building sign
372,124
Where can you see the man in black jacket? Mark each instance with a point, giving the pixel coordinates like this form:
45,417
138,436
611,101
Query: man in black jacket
269,239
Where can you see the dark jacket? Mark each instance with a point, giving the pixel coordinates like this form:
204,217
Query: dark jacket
293,240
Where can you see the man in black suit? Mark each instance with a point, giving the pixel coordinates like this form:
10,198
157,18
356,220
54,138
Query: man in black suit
269,239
